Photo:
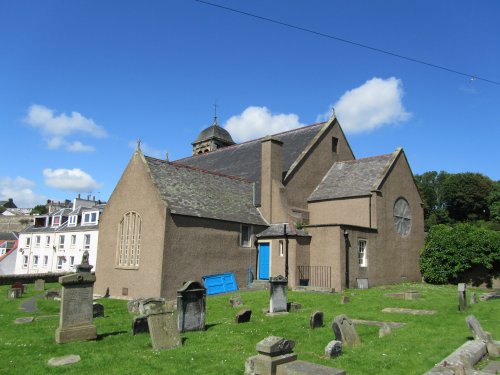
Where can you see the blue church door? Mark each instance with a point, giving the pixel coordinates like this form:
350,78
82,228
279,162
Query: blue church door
264,261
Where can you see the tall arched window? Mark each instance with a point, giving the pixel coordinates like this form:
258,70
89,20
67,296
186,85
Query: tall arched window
129,241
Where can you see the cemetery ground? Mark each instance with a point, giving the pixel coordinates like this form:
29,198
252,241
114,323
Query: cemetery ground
222,349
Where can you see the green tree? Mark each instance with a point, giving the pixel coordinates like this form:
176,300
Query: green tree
40,209
465,195
452,253
494,202
430,185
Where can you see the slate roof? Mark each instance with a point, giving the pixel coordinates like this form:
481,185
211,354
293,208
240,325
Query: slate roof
244,159
195,192
9,236
352,178
214,131
276,230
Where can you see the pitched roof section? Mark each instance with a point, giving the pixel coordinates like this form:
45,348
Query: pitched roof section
353,178
277,230
195,192
244,159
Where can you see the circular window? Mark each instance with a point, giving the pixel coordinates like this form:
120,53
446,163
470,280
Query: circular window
402,217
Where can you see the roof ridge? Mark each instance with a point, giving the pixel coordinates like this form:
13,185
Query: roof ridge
250,141
368,158
179,165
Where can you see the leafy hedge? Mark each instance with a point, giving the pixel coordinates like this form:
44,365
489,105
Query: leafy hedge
451,252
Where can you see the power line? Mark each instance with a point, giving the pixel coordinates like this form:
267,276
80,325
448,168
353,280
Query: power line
379,50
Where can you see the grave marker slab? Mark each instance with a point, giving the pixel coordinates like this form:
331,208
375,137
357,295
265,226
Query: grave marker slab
163,330
243,316
344,300
98,310
236,301
13,293
316,319
293,306
191,307
39,284
408,311
19,285
473,298
140,325
53,294
384,330
344,331
66,360
151,305
24,320
306,368
277,289
462,297
333,349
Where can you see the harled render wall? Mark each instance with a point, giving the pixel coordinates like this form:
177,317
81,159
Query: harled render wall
134,192
352,211
195,247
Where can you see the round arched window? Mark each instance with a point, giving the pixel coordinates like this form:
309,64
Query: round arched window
402,217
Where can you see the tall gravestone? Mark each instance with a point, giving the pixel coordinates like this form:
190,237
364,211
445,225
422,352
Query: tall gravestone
75,321
163,330
462,297
39,284
191,307
344,331
277,289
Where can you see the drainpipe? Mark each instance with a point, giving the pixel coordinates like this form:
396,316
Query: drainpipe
346,240
286,251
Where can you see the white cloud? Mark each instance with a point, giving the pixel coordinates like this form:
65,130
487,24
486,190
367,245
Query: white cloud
21,191
148,150
255,122
70,179
56,128
376,103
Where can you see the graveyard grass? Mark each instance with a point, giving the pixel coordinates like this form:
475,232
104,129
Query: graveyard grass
224,346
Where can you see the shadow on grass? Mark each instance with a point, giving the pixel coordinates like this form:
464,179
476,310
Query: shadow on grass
208,326
104,335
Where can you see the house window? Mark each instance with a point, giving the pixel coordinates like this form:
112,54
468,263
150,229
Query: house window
59,263
56,221
86,241
335,143
73,240
90,218
362,253
71,261
129,240
61,241
281,248
72,220
45,260
47,241
25,261
35,261
28,241
245,236
37,240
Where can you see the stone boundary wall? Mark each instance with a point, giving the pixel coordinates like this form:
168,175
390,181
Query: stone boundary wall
30,278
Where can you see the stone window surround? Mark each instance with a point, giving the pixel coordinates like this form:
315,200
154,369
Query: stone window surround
245,241
129,241
362,252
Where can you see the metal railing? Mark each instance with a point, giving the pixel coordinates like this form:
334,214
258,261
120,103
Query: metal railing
317,276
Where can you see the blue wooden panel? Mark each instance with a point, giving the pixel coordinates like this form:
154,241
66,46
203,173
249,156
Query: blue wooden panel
264,261
220,283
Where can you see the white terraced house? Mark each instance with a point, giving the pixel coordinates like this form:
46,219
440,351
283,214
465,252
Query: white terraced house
55,242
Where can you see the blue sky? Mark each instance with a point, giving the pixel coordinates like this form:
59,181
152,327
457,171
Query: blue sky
80,81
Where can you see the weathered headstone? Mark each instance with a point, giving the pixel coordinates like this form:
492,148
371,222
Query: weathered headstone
98,310
163,330
333,349
151,305
401,310
344,300
191,307
133,305
273,351
75,323
13,293
462,297
243,316
384,330
344,331
293,306
478,333
316,319
39,284
140,325
277,289
53,293
66,360
19,285
236,301
473,298
492,295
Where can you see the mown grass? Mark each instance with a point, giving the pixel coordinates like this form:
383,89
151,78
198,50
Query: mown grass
224,346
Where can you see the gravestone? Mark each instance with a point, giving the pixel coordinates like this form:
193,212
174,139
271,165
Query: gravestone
191,307
344,300
316,319
39,284
133,305
163,330
13,293
243,316
24,320
487,296
140,325
344,331
478,333
236,301
53,294
277,288
273,351
473,298
333,349
151,305
384,330
462,297
19,285
75,323
97,310
412,294
66,360
307,368
293,306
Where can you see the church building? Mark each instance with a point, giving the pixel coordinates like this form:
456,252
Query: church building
296,204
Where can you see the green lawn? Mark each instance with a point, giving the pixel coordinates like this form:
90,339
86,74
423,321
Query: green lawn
223,348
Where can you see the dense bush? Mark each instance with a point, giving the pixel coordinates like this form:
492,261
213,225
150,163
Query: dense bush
452,252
